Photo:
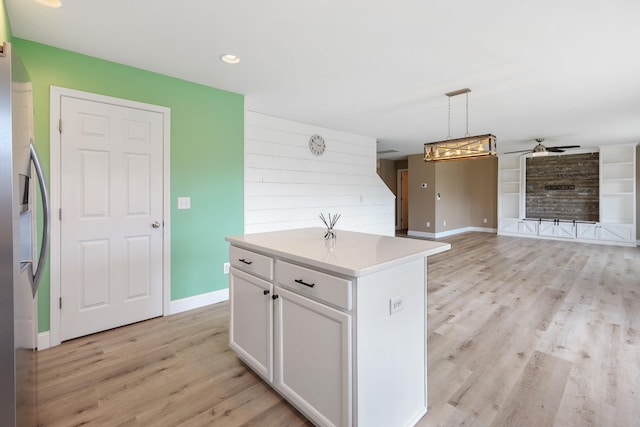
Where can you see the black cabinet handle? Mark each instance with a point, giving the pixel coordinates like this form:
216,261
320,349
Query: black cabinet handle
245,261
311,285
274,297
266,291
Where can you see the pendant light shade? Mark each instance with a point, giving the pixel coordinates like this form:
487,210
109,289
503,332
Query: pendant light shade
460,148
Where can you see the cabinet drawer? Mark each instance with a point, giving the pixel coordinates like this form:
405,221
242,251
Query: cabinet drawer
251,262
319,286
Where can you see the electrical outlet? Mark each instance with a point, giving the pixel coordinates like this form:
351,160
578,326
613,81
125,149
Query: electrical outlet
225,268
484,220
428,224
444,223
396,304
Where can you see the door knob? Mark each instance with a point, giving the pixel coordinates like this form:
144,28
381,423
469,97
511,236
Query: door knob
155,224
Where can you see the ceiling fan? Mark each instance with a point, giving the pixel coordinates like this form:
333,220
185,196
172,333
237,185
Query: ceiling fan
541,150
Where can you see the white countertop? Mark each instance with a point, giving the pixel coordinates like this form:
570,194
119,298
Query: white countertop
351,253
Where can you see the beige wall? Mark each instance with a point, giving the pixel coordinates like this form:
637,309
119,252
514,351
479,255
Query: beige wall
453,205
483,192
468,194
402,164
637,188
422,207
387,171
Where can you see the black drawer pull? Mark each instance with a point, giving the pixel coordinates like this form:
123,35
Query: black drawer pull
245,261
266,292
311,285
274,297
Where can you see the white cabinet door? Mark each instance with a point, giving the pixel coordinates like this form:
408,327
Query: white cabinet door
606,233
528,227
508,225
313,358
617,232
547,228
251,324
566,230
588,231
518,226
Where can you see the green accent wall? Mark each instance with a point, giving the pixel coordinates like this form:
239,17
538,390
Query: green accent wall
5,27
207,147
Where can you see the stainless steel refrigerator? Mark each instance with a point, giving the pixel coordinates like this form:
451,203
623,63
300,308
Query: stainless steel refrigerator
22,252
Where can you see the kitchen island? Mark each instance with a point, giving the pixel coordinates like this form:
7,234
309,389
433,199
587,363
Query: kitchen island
337,327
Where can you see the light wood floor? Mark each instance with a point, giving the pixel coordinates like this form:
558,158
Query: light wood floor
522,332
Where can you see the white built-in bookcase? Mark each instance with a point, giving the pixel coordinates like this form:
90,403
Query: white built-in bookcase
618,184
617,224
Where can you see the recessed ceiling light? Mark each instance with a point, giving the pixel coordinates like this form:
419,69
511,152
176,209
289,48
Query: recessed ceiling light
50,3
229,58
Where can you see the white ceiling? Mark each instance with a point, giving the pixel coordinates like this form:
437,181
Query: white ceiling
565,70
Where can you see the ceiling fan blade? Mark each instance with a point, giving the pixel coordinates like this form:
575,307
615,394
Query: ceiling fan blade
520,151
563,147
555,149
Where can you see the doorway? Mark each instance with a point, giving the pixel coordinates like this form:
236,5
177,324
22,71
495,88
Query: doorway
109,186
402,205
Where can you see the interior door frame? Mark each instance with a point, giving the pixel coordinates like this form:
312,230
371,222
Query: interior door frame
55,189
399,211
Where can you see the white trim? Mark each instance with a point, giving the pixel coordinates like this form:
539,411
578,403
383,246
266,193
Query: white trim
55,189
44,340
421,234
450,232
197,301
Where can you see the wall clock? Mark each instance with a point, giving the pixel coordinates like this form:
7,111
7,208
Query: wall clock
317,145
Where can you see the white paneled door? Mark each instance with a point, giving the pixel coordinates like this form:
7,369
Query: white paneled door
111,215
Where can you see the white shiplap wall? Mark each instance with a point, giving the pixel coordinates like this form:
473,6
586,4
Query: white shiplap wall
286,186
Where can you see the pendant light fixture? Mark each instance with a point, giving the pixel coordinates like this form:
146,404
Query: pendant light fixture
460,148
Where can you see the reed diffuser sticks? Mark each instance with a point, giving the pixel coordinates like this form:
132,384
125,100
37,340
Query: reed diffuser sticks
330,223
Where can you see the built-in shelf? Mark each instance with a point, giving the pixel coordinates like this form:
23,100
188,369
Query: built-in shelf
510,186
618,185
618,154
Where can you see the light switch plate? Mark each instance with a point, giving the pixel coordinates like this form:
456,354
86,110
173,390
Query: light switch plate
184,202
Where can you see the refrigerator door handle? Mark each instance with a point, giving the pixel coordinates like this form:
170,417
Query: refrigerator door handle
35,278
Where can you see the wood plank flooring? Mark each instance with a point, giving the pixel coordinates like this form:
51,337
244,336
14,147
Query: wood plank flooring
522,332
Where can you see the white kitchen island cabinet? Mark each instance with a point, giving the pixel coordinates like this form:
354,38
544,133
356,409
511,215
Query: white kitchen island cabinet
336,327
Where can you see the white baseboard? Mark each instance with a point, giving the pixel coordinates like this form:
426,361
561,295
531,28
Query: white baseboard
44,340
450,232
421,234
197,301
